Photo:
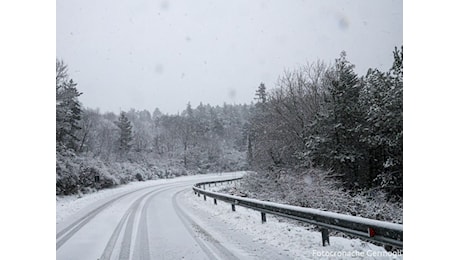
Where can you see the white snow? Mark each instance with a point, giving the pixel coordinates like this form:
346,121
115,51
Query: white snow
297,241
288,239
68,206
365,221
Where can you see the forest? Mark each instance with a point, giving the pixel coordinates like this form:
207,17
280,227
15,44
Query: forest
321,127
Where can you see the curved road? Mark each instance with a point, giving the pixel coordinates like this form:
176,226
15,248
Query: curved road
149,223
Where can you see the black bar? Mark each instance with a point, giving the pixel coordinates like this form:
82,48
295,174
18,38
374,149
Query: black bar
215,201
264,218
325,236
233,207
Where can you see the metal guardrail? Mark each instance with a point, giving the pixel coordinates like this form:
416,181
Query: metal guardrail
369,229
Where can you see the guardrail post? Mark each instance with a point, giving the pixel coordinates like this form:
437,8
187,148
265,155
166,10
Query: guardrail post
264,218
233,207
325,236
215,201
204,197
198,194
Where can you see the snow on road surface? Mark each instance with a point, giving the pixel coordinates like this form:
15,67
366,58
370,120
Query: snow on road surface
163,219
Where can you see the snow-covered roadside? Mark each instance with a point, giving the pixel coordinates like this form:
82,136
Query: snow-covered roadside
295,240
67,206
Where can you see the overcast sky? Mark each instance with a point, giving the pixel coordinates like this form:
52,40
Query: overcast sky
145,54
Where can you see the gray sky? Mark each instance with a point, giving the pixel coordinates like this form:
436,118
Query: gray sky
145,54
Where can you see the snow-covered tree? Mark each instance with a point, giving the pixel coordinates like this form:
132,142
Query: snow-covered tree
328,117
261,94
382,98
68,109
125,134
280,127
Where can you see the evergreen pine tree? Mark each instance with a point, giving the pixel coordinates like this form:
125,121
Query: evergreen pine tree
383,128
335,140
68,109
261,94
126,135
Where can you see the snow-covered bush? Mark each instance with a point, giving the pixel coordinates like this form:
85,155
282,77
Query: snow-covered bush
233,160
86,173
76,174
315,188
92,168
66,174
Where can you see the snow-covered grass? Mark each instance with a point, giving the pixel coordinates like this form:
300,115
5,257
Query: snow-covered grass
295,239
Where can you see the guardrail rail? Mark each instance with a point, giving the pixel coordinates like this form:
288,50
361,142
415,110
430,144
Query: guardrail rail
382,232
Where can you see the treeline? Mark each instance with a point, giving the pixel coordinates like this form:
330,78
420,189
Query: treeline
97,150
327,117
198,140
321,124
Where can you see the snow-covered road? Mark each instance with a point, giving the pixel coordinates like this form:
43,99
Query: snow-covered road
147,222
162,219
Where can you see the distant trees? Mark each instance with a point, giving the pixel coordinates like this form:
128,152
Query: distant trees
198,140
261,94
209,137
138,145
125,134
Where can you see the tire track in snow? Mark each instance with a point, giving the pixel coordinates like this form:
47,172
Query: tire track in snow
65,234
142,239
141,244
215,250
126,245
113,238
127,237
